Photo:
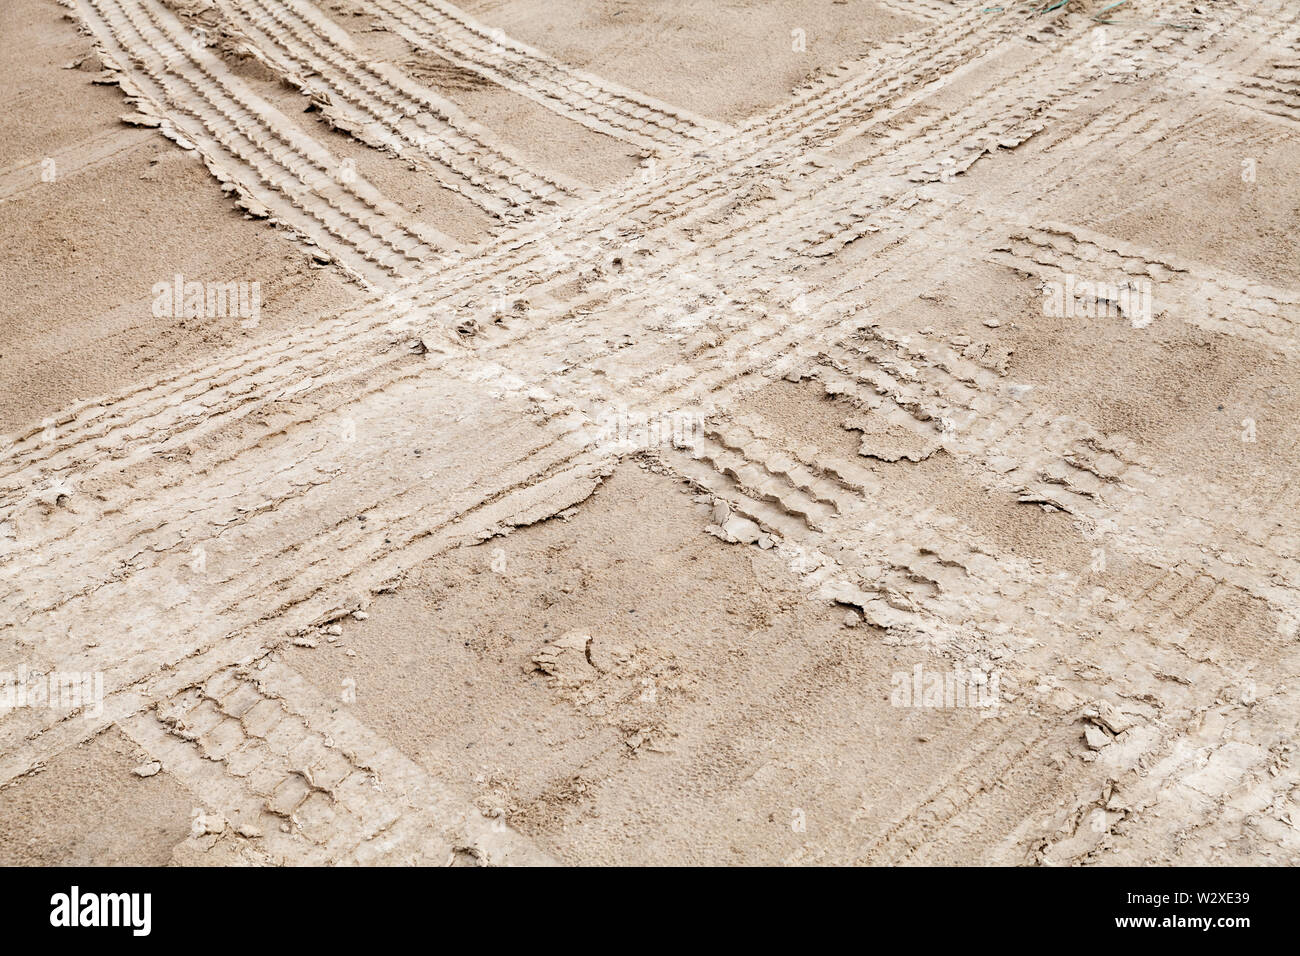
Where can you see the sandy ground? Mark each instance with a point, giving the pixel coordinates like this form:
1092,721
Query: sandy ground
808,433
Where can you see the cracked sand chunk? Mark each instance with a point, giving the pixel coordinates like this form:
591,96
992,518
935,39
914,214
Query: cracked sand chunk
1111,718
567,659
1095,737
735,529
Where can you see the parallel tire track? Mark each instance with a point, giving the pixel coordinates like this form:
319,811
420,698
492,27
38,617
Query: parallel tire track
580,96
310,50
248,144
519,262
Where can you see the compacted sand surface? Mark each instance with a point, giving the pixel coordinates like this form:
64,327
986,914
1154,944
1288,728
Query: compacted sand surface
706,432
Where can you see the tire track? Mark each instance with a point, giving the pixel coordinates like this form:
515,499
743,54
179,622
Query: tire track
380,105
285,778
249,146
924,575
521,257
851,184
580,96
